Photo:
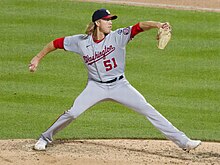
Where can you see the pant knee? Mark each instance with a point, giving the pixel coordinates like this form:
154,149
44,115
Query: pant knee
73,114
145,108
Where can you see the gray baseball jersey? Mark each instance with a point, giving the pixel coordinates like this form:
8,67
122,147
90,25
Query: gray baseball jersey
104,60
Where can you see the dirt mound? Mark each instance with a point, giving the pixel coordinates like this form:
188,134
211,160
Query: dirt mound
108,152
115,152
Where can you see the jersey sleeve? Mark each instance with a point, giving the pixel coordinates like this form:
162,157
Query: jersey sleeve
58,43
124,35
135,30
71,43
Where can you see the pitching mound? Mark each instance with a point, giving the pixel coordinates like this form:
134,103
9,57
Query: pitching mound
107,152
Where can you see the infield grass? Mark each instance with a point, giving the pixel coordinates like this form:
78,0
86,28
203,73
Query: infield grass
182,82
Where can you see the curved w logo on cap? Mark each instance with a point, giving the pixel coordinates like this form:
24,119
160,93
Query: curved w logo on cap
108,11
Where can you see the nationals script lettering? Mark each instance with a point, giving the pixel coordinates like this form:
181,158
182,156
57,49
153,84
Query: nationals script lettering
98,55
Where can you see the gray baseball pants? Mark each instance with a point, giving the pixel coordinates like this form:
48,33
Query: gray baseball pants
120,91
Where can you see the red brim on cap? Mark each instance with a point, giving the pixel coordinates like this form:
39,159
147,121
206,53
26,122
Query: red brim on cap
112,17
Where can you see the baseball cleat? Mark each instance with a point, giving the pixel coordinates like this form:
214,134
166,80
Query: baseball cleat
40,145
192,144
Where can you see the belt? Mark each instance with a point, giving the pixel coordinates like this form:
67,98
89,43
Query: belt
113,80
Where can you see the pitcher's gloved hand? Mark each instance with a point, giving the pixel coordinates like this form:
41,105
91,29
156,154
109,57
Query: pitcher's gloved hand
164,35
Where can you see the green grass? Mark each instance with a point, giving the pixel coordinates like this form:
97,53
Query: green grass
181,82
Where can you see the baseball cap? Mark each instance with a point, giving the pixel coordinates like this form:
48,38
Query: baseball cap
102,14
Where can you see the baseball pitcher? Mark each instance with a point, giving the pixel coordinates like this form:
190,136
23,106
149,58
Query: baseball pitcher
103,52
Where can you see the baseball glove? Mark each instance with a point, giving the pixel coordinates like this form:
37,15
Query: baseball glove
164,35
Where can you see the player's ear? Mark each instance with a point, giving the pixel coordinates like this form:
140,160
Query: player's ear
97,23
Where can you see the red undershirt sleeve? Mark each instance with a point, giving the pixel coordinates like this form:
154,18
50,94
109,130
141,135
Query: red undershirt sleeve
135,30
59,43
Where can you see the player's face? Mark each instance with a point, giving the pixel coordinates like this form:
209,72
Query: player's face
105,26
